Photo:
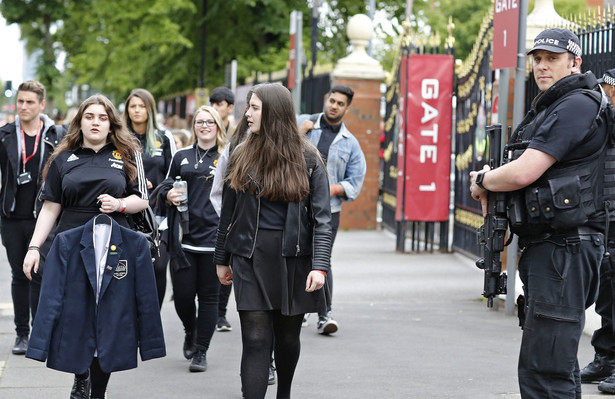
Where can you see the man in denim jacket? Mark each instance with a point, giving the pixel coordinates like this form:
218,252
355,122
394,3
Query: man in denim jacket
345,165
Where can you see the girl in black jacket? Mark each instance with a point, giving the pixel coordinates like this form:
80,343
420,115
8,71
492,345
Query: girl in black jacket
274,237
193,272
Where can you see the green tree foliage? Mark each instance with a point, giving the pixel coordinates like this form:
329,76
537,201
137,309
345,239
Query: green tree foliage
36,19
115,46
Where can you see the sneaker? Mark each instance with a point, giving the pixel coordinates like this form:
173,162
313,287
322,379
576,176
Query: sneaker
81,388
21,345
326,325
223,324
598,370
189,345
199,361
305,320
608,385
271,380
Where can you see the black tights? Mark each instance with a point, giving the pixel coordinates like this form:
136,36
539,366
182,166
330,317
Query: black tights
258,329
99,380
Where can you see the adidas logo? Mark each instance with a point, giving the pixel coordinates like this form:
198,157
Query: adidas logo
73,157
184,162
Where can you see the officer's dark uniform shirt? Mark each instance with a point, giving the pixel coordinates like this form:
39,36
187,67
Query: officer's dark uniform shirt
203,219
77,177
157,164
564,136
25,196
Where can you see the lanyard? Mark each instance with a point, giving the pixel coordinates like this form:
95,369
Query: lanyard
25,159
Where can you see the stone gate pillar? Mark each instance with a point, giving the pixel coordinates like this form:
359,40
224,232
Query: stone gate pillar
364,75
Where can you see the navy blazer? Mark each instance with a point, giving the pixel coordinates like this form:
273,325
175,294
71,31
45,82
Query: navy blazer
69,326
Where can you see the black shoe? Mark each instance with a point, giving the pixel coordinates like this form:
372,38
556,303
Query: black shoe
199,361
223,324
81,388
189,345
271,380
21,345
326,325
599,369
608,385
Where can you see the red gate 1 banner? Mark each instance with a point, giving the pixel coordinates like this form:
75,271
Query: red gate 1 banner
505,33
428,137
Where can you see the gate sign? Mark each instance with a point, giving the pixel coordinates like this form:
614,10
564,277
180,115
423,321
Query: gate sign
428,138
505,33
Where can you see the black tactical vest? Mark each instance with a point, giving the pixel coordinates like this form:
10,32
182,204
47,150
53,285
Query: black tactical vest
568,194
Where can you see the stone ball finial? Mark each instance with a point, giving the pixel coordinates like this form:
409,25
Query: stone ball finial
359,64
360,28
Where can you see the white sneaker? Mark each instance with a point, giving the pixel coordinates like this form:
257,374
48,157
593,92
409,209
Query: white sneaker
305,320
326,325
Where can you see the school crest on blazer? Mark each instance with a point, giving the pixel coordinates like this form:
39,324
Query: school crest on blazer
121,270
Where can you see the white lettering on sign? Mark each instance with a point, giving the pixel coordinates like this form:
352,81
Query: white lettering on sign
505,5
430,89
429,112
433,133
429,151
431,187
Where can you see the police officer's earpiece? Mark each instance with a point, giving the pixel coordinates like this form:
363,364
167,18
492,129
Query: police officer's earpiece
574,63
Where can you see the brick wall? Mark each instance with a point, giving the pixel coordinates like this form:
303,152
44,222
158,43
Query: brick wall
363,120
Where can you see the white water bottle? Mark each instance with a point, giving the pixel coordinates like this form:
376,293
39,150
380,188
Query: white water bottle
182,186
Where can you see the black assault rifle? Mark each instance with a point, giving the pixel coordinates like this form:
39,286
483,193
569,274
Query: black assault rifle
491,235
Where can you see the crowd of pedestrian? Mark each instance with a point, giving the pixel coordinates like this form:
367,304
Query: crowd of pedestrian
73,187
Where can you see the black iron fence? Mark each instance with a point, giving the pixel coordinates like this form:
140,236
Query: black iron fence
597,38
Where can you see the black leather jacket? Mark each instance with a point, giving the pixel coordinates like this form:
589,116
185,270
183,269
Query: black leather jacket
10,158
307,228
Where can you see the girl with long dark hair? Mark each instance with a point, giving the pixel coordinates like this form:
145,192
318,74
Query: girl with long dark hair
274,237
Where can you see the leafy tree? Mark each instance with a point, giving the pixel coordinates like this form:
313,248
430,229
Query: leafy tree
116,46
37,19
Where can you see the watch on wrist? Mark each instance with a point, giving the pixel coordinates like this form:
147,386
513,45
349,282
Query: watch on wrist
479,180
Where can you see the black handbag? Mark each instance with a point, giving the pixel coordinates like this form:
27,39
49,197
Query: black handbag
145,223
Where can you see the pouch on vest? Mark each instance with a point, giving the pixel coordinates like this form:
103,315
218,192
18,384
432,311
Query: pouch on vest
568,207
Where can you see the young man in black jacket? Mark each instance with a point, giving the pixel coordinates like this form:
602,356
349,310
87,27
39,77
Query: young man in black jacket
25,146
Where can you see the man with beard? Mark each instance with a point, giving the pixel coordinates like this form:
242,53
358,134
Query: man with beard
346,167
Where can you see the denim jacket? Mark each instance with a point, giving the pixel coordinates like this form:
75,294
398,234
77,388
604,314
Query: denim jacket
345,163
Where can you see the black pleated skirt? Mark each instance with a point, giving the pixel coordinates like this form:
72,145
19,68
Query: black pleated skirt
270,281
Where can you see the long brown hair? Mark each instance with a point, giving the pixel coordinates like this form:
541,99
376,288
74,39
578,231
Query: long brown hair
152,124
122,139
271,164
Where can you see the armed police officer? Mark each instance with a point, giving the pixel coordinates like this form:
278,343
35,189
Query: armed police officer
554,206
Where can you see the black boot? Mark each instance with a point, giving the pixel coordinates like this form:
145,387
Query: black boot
81,387
608,385
189,343
599,369
199,361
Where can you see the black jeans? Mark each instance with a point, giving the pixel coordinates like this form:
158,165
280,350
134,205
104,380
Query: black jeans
16,235
603,339
199,280
160,271
559,281
335,224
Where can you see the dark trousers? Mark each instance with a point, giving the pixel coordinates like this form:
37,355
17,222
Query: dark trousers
603,339
160,271
335,224
559,282
225,293
199,280
16,235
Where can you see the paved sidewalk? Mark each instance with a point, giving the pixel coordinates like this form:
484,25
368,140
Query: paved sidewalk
411,327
